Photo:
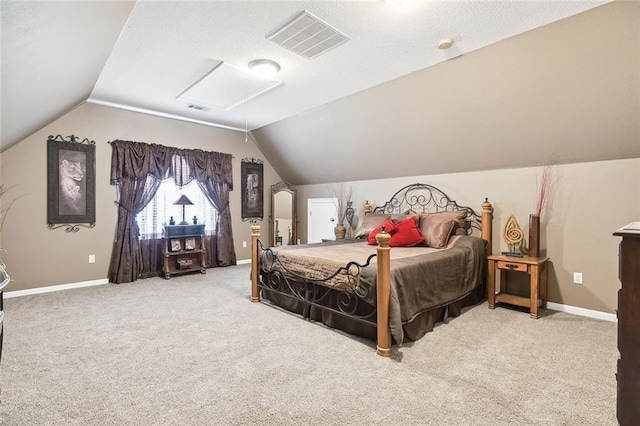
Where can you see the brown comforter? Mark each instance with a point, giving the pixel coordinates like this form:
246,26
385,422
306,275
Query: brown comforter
422,278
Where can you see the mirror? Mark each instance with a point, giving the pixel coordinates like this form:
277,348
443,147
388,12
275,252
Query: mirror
283,214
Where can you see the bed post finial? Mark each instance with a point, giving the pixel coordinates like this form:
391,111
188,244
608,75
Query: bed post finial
255,267
487,228
383,291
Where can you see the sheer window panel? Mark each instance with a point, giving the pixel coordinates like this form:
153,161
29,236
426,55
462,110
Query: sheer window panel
159,210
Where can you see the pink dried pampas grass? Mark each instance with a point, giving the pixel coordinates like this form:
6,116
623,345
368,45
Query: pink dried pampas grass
543,190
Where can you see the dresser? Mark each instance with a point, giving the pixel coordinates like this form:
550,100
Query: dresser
183,249
628,375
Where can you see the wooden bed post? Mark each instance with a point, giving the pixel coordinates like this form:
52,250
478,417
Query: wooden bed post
255,267
487,228
383,288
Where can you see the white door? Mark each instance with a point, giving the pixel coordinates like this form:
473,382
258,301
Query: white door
321,219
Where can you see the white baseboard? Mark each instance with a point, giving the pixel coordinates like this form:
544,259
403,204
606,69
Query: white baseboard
51,288
550,305
582,312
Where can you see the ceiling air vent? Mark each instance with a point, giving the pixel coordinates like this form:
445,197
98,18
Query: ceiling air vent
307,35
198,107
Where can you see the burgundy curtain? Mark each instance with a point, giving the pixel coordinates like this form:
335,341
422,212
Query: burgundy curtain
137,169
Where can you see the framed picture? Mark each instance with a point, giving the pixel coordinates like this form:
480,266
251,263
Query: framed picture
190,244
71,183
252,186
175,245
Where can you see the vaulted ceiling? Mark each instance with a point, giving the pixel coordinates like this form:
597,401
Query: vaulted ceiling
385,81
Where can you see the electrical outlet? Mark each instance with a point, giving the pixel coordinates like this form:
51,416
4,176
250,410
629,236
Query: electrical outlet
577,277
92,258
244,244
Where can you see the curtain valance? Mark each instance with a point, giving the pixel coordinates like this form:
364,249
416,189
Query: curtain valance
137,160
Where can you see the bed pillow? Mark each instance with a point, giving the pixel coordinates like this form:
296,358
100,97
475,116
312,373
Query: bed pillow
437,227
462,225
370,222
399,217
389,228
407,233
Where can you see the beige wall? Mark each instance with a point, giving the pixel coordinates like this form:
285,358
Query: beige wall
38,257
588,202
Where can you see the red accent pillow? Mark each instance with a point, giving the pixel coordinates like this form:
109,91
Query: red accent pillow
407,233
389,228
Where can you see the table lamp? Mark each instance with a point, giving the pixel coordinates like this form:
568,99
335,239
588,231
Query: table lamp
183,201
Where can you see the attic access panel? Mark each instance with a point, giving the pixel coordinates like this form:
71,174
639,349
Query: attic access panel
225,86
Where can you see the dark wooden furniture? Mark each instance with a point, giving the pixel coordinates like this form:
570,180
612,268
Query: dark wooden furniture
183,249
536,267
628,376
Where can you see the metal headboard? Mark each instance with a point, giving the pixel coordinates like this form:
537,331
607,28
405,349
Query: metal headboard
423,198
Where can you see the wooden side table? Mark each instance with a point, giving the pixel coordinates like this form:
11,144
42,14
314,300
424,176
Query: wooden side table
536,267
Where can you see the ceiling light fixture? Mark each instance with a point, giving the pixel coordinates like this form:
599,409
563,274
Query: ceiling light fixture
445,43
266,69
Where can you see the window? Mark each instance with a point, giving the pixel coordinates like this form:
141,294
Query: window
161,208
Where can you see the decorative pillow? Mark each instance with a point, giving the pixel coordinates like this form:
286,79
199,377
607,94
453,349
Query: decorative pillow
407,233
459,229
462,225
370,222
399,217
389,228
437,227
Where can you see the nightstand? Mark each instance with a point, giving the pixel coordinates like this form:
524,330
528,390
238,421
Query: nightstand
536,267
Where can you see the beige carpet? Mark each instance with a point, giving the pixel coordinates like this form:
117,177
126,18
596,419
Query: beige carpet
195,351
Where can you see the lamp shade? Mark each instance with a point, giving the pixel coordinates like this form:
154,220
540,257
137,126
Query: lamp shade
183,201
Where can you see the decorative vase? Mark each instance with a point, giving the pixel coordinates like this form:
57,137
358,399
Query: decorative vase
340,231
534,235
367,207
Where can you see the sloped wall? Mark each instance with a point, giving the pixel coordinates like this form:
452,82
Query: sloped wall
568,91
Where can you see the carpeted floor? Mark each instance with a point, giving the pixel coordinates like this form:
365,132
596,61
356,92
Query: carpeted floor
195,351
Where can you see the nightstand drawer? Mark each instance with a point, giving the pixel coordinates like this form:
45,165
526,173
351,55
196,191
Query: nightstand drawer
512,266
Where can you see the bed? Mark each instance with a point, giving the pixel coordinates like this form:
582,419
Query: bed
384,286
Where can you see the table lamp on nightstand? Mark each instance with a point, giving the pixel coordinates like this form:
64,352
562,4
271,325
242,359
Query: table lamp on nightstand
183,201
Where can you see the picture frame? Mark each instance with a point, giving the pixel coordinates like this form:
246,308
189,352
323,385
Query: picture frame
252,187
175,245
190,244
71,183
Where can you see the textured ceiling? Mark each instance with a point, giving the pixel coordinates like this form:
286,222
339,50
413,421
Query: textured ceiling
142,55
